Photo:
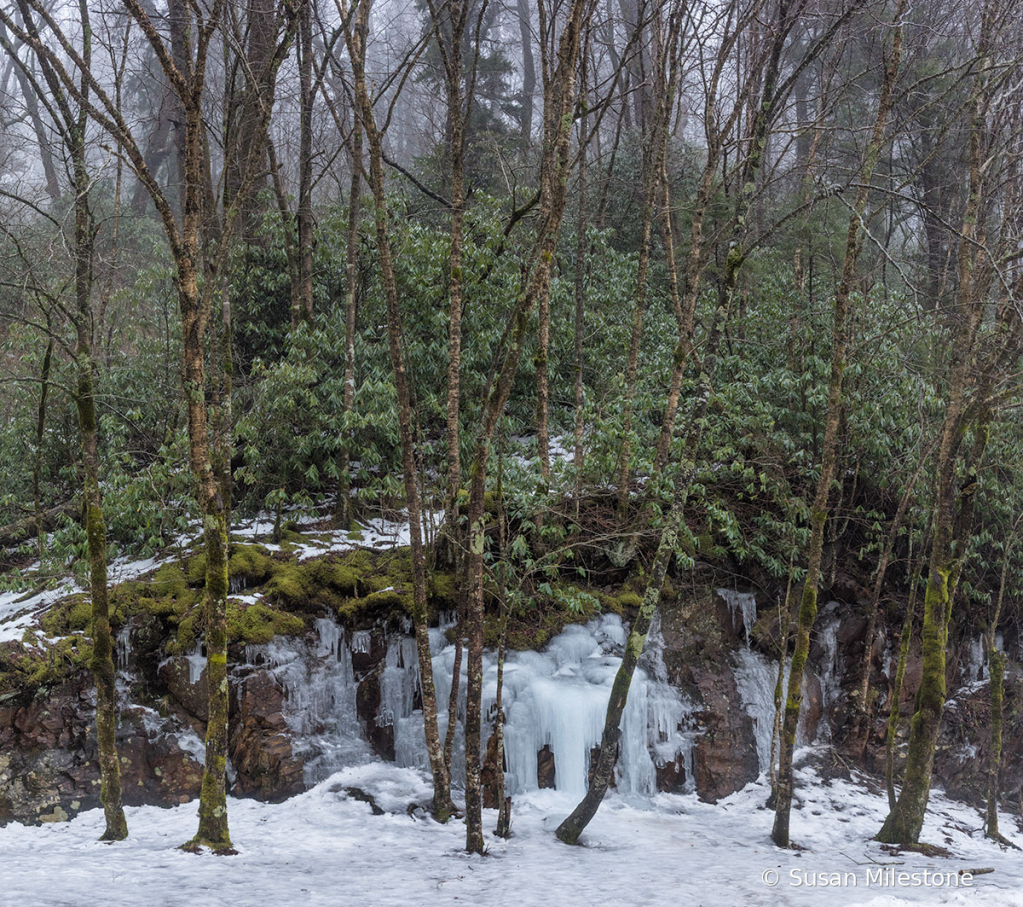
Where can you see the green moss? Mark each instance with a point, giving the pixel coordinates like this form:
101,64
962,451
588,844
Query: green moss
388,598
189,627
71,615
54,664
171,580
252,563
624,601
166,594
443,589
195,570
292,583
258,624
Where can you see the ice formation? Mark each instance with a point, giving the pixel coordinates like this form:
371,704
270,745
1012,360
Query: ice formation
742,604
556,698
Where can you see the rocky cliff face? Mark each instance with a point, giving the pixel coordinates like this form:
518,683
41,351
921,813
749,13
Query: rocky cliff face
341,691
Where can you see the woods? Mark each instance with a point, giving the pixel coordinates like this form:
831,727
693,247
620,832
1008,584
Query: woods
443,338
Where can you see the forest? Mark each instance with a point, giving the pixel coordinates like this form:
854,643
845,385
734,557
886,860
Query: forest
483,427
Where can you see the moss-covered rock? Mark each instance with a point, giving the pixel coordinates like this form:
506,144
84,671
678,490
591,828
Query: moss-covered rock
54,663
258,623
72,615
251,563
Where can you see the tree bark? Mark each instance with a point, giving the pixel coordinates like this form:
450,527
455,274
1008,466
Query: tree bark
829,446
559,102
356,39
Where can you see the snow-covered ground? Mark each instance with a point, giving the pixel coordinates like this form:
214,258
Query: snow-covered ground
323,847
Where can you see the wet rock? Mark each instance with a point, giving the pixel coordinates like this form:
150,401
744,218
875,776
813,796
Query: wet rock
546,771
261,747
176,675
671,777
725,758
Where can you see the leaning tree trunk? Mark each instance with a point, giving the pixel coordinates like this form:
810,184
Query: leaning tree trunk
905,821
829,447
572,827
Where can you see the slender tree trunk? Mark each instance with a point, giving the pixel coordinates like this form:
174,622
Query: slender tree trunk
875,598
996,670
996,662
528,69
579,328
344,508
829,447
559,102
572,827
102,661
356,38
543,341
37,465
905,638
906,819
784,623
305,166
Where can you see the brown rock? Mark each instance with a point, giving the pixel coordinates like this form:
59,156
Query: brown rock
546,770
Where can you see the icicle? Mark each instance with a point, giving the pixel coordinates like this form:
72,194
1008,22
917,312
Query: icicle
755,679
361,641
319,697
124,648
975,668
745,604
399,684
830,680
196,663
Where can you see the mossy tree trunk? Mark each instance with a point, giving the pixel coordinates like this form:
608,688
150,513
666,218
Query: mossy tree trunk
996,670
906,819
996,662
356,36
102,660
894,709
72,125
829,445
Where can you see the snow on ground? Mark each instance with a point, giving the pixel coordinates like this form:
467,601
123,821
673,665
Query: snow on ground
323,847
379,534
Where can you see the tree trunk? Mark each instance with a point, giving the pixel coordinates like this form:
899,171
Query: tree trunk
829,447
559,102
906,819
443,808
305,167
343,507
102,661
